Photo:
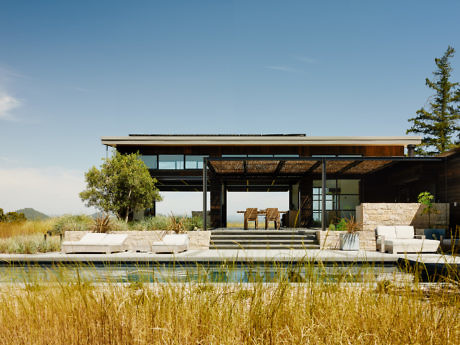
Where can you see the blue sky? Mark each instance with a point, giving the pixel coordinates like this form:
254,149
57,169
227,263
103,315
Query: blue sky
73,71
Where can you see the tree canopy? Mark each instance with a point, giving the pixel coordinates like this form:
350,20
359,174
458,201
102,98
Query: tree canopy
122,185
439,124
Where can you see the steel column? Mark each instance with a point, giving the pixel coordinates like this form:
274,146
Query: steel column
205,192
323,195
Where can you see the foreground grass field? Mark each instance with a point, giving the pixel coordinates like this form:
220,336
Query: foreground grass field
282,313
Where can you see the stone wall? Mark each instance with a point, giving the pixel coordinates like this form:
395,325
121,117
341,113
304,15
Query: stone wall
141,240
370,215
373,214
331,239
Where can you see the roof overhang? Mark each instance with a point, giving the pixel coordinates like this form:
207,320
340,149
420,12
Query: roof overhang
197,140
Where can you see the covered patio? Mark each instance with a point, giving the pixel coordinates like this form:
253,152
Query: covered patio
296,175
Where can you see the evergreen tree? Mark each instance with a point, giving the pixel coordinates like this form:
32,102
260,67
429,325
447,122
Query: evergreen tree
439,125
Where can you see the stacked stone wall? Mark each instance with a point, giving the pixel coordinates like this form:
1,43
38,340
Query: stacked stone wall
141,240
370,215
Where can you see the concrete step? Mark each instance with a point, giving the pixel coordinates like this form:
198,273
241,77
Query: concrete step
244,242
264,238
263,232
264,246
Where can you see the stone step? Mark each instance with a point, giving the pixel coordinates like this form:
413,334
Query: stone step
263,238
263,246
263,232
251,241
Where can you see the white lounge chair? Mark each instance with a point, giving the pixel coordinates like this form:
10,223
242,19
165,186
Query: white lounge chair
402,239
174,243
96,243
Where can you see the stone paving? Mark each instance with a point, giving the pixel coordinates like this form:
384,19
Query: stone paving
234,255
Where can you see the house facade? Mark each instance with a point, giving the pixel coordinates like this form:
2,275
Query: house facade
326,177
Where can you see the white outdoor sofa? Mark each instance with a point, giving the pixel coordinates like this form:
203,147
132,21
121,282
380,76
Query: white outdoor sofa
96,243
174,243
402,239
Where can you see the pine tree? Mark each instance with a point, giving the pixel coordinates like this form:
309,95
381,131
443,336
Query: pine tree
439,125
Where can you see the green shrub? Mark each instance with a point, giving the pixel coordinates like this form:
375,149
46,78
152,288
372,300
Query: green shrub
193,223
72,223
342,225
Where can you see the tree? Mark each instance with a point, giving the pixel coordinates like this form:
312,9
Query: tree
440,123
12,217
122,185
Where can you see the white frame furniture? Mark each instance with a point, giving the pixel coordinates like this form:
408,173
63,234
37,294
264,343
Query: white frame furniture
96,243
402,239
173,243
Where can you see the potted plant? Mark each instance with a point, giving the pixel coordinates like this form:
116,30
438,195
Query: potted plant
426,199
350,239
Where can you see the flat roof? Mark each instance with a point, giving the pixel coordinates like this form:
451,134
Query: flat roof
257,140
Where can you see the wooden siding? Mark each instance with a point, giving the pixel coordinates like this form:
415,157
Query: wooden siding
304,151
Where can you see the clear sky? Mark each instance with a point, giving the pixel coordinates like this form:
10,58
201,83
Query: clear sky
73,71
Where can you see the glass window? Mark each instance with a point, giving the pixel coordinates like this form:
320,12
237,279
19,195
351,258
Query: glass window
194,162
342,197
171,162
263,156
150,161
295,156
348,186
234,156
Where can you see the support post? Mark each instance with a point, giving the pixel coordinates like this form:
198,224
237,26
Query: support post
205,192
323,195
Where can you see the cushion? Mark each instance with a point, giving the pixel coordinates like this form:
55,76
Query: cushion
387,231
404,231
175,239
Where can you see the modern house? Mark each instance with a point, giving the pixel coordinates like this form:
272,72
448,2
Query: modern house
325,176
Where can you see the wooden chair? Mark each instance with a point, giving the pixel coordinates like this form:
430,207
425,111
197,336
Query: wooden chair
250,215
272,215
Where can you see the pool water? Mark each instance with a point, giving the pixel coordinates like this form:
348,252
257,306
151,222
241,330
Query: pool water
183,273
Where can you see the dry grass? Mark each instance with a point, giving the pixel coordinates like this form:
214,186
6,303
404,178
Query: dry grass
282,313
29,244
25,228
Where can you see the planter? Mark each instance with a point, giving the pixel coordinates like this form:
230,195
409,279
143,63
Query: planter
434,234
349,241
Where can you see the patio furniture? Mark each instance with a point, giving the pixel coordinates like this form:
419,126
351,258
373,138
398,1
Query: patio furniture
272,215
402,239
250,215
96,243
174,243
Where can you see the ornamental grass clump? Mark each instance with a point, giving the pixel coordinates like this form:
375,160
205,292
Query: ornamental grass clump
315,312
29,244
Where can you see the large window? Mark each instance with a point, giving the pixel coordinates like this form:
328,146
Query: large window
171,162
150,160
194,162
342,197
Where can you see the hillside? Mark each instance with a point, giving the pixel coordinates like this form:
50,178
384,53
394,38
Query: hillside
32,214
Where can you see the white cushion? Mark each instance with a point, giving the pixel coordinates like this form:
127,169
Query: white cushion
404,231
92,238
387,231
175,239
114,239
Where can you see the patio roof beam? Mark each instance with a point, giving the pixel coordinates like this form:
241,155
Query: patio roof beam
348,167
279,167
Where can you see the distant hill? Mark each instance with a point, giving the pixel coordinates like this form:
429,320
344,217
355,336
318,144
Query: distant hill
32,214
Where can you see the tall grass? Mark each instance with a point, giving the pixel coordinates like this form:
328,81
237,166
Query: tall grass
79,312
25,228
29,244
